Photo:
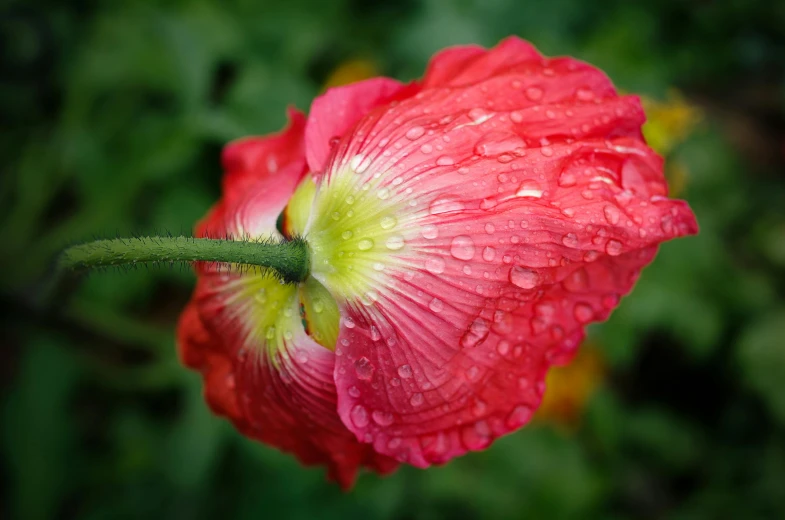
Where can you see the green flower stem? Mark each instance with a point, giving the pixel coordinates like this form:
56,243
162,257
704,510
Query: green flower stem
288,259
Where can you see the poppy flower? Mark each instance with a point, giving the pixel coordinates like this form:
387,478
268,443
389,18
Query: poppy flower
463,230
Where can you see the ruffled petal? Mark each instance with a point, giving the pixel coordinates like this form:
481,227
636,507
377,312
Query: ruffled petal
337,110
261,173
520,217
264,373
468,64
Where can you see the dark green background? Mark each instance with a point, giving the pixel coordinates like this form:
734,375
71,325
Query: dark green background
114,114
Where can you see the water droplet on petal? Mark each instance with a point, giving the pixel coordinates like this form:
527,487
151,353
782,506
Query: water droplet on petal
363,368
503,348
570,240
430,231
529,189
346,235
534,93
382,418
519,416
383,193
435,264
497,143
524,278
388,222
462,247
445,205
583,312
348,322
394,243
445,160
365,244
612,214
473,373
476,334
488,253
584,94
416,399
405,371
415,132
359,163
359,416
436,305
354,392
614,247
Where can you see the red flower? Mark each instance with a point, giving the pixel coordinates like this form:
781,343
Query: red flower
463,231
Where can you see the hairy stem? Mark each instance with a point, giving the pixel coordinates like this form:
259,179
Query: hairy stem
288,259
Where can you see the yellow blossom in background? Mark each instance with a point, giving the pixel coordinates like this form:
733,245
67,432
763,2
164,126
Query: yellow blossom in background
570,387
669,123
350,71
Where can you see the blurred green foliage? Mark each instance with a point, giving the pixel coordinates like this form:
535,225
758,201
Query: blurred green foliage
114,115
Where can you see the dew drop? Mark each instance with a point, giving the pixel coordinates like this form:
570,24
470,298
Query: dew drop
591,256
348,322
476,333
426,148
394,243
613,247
359,163
490,228
445,160
523,278
415,132
383,193
445,205
583,312
354,392
359,416
612,214
497,143
529,189
519,416
584,94
405,371
430,231
436,305
567,179
487,203
382,418
478,115
416,399
488,253
363,368
435,264
534,93
388,222
473,373
346,235
365,244
503,348
570,240
462,247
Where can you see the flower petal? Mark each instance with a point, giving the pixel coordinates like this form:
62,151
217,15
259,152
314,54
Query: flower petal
468,64
270,378
523,216
261,173
337,110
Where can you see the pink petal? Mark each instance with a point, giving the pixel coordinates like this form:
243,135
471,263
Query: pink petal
468,64
261,173
546,204
337,110
286,399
